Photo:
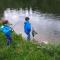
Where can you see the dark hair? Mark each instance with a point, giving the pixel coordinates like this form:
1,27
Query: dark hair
5,21
27,18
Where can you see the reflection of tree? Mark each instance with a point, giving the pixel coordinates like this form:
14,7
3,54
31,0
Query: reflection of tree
42,5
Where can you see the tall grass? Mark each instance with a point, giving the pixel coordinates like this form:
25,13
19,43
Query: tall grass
21,49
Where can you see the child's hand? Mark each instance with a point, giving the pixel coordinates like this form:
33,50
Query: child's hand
12,30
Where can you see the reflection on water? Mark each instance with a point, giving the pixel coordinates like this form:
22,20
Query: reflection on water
46,25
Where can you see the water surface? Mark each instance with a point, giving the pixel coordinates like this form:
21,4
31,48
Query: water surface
46,25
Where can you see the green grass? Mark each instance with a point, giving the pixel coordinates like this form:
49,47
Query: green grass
21,49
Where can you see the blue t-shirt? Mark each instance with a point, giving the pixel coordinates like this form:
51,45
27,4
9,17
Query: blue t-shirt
27,27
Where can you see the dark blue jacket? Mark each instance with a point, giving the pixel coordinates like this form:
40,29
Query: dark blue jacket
27,27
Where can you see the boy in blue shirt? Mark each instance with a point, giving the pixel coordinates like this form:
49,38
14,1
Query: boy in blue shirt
27,27
6,29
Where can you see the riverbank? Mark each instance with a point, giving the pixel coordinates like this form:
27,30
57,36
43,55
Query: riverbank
21,49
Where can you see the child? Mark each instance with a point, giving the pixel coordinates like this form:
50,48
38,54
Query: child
27,27
6,29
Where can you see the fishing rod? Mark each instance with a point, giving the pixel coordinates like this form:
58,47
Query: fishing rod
27,14
17,22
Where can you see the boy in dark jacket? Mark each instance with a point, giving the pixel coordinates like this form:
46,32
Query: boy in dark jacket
27,27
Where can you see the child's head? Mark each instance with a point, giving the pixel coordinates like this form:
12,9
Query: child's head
5,21
26,18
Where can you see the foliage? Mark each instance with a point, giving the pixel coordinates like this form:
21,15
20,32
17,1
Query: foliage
46,6
21,49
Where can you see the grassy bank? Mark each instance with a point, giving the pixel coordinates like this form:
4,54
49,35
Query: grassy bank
20,49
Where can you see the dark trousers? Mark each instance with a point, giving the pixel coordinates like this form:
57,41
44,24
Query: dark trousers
9,39
28,36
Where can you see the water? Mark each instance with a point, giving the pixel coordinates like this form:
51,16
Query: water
46,25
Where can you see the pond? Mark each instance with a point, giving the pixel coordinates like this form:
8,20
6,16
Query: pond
46,25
